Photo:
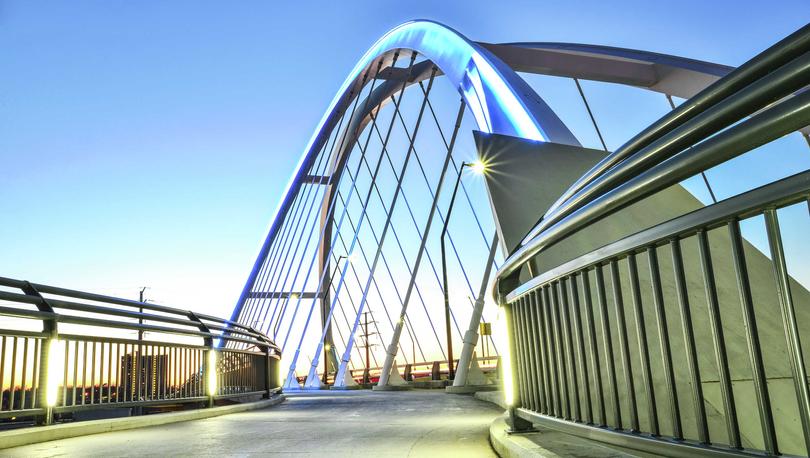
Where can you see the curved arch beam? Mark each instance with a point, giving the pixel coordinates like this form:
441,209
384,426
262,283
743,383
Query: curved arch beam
500,101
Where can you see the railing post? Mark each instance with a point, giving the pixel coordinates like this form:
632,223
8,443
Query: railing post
49,327
43,388
210,364
210,374
515,424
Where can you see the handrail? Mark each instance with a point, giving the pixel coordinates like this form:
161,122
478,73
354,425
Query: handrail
668,159
768,125
779,193
59,291
227,327
774,57
759,94
39,382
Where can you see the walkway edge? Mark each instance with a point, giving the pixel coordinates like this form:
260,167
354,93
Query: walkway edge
495,397
39,434
513,446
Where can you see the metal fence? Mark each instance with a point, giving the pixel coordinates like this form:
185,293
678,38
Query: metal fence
636,343
48,373
427,370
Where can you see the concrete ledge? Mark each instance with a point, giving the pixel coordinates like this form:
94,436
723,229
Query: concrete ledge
391,388
470,389
38,434
520,445
495,397
430,384
507,446
547,442
346,388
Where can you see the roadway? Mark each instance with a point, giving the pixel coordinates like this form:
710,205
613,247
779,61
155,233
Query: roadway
347,423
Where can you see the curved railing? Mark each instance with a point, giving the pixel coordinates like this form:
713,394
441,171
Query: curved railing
683,338
64,351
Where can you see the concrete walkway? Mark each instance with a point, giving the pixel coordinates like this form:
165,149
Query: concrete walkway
353,423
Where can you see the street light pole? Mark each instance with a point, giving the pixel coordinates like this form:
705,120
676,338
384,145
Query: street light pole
327,346
450,371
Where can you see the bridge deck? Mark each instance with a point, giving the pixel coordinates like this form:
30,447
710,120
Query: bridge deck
407,423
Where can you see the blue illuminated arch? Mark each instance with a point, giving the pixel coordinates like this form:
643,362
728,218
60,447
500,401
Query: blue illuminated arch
499,100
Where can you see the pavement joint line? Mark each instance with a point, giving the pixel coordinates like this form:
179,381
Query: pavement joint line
40,434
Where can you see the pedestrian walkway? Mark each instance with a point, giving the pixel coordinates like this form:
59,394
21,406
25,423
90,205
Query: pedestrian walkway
328,423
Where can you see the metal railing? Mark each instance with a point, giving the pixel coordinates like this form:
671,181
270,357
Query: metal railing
666,340
432,370
51,372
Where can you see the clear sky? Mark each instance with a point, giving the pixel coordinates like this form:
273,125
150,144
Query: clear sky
147,143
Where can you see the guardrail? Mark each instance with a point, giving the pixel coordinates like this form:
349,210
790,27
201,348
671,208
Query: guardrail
80,361
593,351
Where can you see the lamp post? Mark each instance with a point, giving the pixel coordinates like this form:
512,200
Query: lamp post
480,168
140,309
327,347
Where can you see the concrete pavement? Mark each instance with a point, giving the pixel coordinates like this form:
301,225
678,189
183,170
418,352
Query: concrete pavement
349,423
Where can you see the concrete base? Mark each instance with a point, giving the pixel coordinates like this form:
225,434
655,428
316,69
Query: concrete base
495,397
471,389
37,434
392,387
430,384
547,443
346,388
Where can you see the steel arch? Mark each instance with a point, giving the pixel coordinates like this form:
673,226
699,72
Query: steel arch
500,101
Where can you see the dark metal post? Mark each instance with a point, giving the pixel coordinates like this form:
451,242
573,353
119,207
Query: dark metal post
450,371
268,373
365,317
140,319
323,318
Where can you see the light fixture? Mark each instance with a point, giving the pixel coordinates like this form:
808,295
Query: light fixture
294,296
56,365
212,373
479,167
502,331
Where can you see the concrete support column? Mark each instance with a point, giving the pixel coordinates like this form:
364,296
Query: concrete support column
471,336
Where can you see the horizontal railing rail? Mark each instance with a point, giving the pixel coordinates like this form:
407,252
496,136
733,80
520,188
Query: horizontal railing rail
713,109
48,373
684,148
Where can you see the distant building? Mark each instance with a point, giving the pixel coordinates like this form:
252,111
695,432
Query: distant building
148,374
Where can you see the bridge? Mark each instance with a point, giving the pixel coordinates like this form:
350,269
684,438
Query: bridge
446,233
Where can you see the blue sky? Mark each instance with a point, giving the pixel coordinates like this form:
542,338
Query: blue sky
147,143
